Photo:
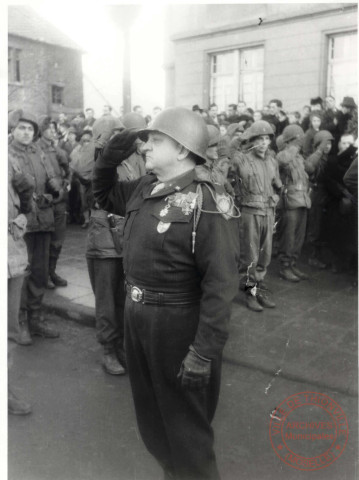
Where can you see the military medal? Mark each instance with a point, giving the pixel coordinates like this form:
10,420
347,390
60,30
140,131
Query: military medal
223,203
163,227
164,211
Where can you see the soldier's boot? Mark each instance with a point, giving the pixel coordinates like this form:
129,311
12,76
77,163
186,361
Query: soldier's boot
56,279
252,303
24,337
121,356
111,365
263,296
50,284
287,274
39,326
299,273
17,406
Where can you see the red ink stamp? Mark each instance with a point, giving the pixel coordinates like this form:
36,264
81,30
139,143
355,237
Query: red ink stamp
308,431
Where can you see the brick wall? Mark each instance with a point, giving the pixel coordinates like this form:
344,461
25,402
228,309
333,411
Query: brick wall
41,66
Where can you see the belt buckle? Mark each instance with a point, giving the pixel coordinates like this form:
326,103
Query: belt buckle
136,294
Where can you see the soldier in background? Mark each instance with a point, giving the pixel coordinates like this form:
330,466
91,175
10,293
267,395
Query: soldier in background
259,179
40,224
20,191
60,165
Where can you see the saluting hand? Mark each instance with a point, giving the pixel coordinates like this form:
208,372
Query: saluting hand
120,147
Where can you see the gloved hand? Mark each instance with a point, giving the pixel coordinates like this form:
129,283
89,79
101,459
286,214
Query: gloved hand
120,147
195,371
23,182
59,197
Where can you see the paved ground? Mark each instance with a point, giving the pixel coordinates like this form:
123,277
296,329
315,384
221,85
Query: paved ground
310,337
83,425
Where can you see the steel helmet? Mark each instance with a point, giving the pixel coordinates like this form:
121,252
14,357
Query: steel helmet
322,136
214,135
44,122
261,127
280,142
133,120
15,116
292,132
183,126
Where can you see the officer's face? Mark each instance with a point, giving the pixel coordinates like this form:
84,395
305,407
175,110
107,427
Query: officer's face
261,143
24,133
161,153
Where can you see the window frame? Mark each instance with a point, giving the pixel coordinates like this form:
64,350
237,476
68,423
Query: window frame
237,70
61,90
14,65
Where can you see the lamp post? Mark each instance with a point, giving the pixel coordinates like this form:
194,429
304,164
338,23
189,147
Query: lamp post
123,17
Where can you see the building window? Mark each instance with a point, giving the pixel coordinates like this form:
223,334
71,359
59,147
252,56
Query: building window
237,75
14,65
57,94
342,65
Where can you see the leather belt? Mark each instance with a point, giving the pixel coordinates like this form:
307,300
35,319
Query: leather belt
145,296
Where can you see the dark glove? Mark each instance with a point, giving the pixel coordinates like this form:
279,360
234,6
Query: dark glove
120,147
23,182
59,197
195,371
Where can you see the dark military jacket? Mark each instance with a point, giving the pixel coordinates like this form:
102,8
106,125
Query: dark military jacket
58,158
158,246
32,161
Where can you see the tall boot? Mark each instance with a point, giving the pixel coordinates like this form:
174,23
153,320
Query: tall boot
56,279
24,337
39,326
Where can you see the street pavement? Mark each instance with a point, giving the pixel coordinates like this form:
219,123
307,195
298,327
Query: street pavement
83,425
310,337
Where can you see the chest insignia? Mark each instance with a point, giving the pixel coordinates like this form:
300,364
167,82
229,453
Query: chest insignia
224,205
185,201
163,227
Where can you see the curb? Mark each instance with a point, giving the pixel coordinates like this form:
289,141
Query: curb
86,316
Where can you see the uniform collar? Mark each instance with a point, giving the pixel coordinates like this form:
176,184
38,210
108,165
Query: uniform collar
175,185
23,148
48,144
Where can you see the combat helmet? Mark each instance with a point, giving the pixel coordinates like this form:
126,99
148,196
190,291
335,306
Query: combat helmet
16,116
261,127
183,126
133,120
292,132
321,136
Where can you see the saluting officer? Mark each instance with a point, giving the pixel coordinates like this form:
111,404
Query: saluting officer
180,255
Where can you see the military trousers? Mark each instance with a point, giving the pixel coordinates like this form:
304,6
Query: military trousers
175,424
34,286
14,286
256,233
58,235
292,227
107,281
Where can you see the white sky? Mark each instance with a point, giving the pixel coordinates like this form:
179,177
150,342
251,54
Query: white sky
88,25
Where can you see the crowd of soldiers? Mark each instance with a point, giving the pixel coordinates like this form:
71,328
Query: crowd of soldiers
181,214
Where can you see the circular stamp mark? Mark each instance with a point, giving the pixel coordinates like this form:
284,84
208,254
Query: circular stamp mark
308,431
